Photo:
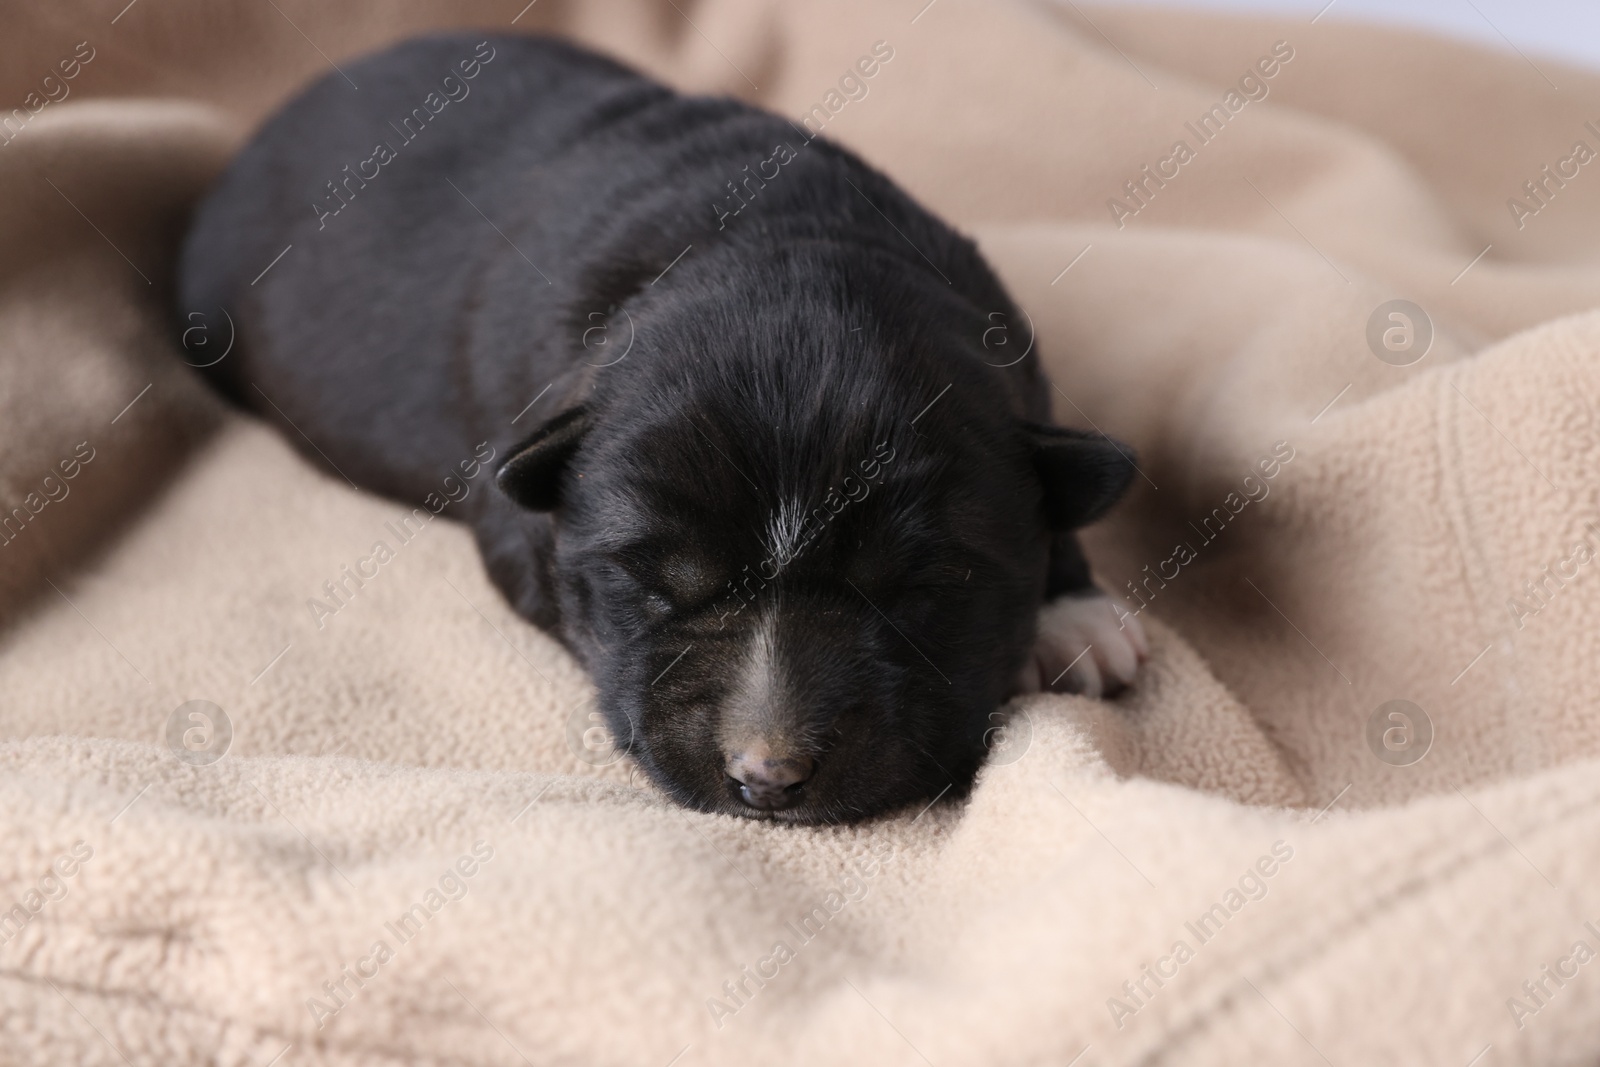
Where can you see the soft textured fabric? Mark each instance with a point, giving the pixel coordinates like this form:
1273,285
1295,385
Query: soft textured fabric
409,855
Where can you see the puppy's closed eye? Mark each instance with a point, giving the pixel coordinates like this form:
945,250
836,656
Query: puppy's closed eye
670,578
907,568
688,578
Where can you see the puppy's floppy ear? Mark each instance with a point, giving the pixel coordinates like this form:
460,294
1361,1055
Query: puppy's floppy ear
1083,473
532,475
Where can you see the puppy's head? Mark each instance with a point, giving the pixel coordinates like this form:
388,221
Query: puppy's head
803,584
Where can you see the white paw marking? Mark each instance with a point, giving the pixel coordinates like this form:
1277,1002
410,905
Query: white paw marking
1086,644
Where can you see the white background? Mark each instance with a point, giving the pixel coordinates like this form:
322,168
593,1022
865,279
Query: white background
1565,29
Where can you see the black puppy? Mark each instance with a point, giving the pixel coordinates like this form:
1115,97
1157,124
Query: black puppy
763,476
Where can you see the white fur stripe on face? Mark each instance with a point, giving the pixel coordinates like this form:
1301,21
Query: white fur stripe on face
754,717
785,531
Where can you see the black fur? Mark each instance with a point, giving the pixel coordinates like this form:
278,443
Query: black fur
818,355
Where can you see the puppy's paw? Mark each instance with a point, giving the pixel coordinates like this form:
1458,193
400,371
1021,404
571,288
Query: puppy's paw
1087,644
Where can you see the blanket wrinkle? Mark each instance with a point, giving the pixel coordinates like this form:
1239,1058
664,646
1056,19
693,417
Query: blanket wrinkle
1478,575
1315,533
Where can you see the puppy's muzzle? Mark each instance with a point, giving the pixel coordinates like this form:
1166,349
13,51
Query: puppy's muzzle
769,784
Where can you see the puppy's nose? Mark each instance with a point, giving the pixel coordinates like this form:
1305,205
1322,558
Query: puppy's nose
768,783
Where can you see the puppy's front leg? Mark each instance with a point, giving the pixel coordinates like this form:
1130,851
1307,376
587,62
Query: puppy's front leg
1088,642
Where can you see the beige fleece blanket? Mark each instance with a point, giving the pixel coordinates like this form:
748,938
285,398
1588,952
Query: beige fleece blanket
392,834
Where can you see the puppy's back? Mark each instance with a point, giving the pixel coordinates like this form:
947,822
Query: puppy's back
344,240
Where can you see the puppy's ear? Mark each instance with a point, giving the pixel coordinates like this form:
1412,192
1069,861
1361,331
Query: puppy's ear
1083,473
532,475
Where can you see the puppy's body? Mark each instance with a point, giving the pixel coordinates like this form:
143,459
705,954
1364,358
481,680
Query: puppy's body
765,480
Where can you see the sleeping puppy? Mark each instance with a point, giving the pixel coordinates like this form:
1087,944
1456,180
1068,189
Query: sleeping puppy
761,475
